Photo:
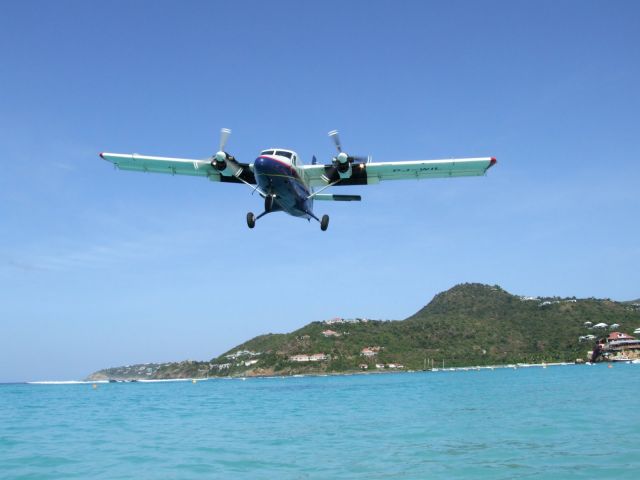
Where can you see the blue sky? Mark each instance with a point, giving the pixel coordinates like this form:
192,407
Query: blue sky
101,268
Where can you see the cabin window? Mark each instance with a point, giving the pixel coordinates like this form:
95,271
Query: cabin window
293,159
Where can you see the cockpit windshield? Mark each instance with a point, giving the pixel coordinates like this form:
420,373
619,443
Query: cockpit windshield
266,152
283,153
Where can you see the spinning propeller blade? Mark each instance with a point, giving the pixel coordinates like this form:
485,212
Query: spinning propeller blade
224,137
336,139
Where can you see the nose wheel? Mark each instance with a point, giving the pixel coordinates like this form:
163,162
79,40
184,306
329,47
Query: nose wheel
324,223
251,220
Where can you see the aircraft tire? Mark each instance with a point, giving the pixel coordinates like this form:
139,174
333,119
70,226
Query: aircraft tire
324,223
251,220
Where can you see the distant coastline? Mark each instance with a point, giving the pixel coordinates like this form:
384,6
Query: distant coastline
468,326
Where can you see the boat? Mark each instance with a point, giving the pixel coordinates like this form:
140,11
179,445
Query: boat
621,358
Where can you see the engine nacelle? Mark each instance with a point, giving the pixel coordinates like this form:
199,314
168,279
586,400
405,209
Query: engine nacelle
343,165
226,164
344,170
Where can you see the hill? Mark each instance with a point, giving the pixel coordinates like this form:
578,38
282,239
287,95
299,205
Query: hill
470,324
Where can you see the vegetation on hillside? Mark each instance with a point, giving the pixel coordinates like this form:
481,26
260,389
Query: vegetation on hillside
470,324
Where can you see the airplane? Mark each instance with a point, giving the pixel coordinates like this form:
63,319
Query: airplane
288,185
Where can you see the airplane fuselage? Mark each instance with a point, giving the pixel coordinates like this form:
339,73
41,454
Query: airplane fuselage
277,174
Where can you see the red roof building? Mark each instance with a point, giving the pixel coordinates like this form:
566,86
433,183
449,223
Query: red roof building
619,336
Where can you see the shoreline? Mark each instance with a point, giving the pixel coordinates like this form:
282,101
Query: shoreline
514,366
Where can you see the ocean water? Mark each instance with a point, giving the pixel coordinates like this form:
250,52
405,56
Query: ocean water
558,422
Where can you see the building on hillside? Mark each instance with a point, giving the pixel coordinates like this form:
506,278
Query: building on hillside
614,326
363,366
600,325
334,321
617,346
370,351
330,333
242,353
588,324
299,358
619,336
303,357
584,338
318,357
395,365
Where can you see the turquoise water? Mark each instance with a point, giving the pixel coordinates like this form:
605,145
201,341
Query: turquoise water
558,422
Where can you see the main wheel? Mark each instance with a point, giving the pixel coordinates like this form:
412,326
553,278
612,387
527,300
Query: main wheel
251,220
324,223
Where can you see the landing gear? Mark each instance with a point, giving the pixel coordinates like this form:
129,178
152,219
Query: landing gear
251,220
324,223
268,203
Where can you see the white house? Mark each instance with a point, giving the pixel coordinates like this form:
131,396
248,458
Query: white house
600,325
583,338
299,358
330,333
318,357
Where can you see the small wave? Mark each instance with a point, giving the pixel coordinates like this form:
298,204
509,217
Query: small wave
65,382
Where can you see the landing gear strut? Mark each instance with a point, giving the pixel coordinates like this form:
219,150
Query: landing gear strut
251,220
324,223
268,203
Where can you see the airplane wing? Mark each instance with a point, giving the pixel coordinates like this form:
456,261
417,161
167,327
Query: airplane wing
176,166
375,172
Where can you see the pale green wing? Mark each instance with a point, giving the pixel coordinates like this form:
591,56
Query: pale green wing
375,172
175,166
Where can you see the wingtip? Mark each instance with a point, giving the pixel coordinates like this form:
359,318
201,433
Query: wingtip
101,155
492,162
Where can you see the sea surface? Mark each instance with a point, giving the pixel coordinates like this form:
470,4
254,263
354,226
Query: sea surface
557,422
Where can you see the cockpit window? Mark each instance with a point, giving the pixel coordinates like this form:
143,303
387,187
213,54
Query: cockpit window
266,152
282,153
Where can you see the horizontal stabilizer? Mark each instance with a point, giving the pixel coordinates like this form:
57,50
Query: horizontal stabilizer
337,198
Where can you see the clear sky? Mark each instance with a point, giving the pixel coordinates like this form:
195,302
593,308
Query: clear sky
101,268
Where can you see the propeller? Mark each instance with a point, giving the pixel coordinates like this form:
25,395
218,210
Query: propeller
342,162
221,155
225,163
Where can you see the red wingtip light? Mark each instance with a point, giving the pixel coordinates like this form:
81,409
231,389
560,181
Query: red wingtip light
493,162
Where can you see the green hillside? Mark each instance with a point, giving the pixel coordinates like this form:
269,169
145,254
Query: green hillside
470,324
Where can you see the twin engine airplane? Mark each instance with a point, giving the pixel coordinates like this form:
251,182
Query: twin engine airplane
287,185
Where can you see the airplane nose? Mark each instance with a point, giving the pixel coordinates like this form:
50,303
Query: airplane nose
259,163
